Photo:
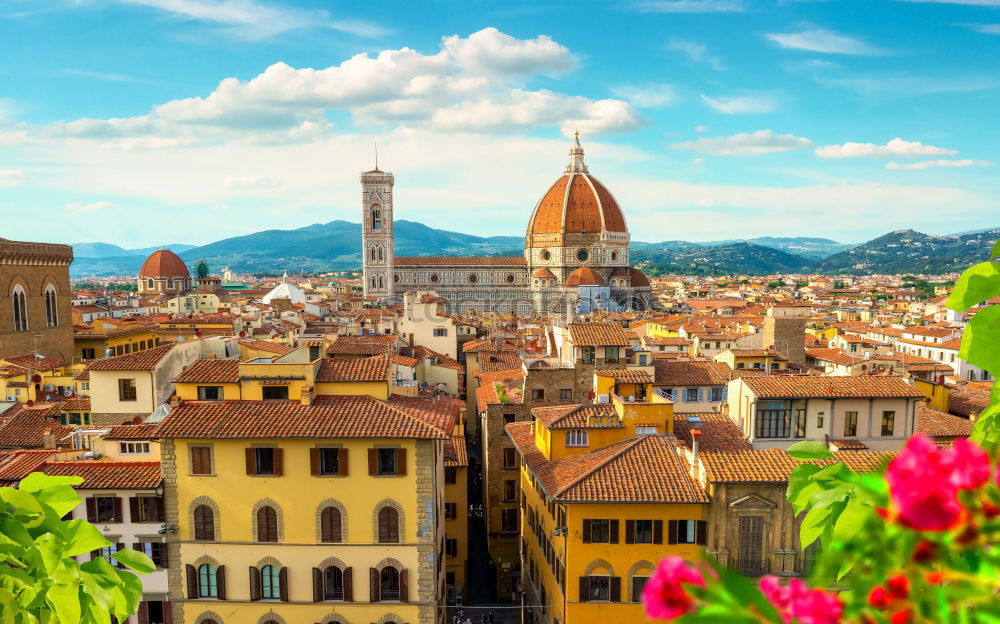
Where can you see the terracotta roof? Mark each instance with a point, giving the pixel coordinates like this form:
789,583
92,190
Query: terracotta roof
402,360
23,427
442,359
584,276
362,345
496,361
141,360
593,415
774,355
775,465
75,405
543,272
625,375
718,432
836,356
374,368
35,362
459,261
108,475
690,373
16,465
455,455
608,334
164,263
210,371
491,343
848,444
783,387
349,416
488,391
638,279
268,346
133,432
84,375
586,206
968,399
672,341
941,424
642,469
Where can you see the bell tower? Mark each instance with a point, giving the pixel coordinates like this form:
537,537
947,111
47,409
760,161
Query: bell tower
376,232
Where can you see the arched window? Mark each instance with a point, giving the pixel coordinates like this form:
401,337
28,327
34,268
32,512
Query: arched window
374,253
388,525
51,310
204,523
207,584
333,583
149,284
381,254
270,582
20,309
267,524
376,218
388,583
329,523
374,282
381,284
208,621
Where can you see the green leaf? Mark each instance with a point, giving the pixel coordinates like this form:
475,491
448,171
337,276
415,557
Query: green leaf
134,560
27,510
980,339
64,600
813,525
800,499
38,481
82,537
61,499
807,450
851,520
978,283
996,250
828,497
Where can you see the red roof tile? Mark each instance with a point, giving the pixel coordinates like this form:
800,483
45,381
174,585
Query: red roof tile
107,475
210,371
141,360
374,368
783,387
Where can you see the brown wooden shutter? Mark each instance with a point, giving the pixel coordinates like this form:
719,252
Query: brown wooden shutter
657,531
251,461
348,584
118,509
283,584
133,508
372,461
613,531
342,462
164,559
373,593
143,613
192,581
279,462
404,586
616,589
196,461
672,532
336,535
630,531
586,532
317,585
220,581
401,462
314,461
254,584
701,532
584,588
161,511
166,611
91,509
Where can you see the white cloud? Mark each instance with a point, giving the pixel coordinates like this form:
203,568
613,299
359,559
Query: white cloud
701,128
491,52
986,29
825,41
896,148
893,87
697,52
648,95
248,182
251,20
927,164
11,177
78,208
690,6
746,144
697,160
742,104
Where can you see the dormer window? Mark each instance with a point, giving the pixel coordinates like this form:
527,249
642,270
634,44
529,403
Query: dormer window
576,437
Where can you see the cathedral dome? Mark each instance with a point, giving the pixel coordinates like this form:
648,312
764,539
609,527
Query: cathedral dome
164,263
639,279
577,203
585,276
543,272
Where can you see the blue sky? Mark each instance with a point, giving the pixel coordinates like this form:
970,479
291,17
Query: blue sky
142,122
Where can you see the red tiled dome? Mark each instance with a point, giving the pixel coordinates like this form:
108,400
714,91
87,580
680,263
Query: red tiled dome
586,208
639,279
164,263
585,276
543,272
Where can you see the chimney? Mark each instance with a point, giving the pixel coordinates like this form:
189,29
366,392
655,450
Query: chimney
695,468
175,401
308,394
48,439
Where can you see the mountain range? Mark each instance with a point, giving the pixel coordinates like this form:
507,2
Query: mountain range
335,246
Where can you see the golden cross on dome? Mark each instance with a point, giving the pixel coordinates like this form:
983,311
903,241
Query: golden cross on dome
577,133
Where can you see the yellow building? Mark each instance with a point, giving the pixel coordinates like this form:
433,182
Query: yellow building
606,492
767,360
316,510
34,378
103,339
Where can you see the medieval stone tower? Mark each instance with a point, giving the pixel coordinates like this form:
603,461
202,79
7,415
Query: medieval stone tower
376,232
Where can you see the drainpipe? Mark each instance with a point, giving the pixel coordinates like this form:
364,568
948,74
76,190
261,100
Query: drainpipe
695,468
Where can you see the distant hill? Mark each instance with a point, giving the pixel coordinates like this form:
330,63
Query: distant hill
815,248
733,259
909,251
107,250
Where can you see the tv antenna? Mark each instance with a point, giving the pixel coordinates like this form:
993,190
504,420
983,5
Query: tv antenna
376,155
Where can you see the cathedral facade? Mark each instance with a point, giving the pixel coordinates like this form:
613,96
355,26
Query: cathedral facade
576,254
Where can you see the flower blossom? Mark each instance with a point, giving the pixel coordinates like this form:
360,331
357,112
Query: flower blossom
664,593
797,602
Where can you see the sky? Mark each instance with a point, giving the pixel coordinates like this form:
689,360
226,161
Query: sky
148,122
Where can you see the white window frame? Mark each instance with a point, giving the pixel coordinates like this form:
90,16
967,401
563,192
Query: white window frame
576,437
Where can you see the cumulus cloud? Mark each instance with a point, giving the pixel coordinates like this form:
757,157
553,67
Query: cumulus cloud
824,41
248,182
746,144
491,52
986,29
648,95
691,6
98,206
928,164
697,52
11,177
742,104
896,148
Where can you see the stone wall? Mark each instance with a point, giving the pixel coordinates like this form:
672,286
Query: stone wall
787,335
33,266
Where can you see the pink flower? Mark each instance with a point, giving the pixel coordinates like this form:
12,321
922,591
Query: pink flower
969,464
664,593
797,601
931,509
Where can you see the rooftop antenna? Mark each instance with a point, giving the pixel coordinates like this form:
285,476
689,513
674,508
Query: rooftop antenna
376,155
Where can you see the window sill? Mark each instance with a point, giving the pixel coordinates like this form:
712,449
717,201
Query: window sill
202,474
329,476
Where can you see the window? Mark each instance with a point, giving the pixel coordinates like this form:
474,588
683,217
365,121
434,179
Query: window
582,255
509,458
267,524
587,354
106,553
507,419
643,532
537,394
450,475
888,422
451,511
264,463
388,584
716,395
106,509
850,423
566,394
201,460
576,437
330,526
51,307
451,547
599,531
204,524
329,461
270,583
388,525
611,354
333,583
20,309
126,390
157,551
800,423
129,448
207,581
508,520
687,531
509,492
376,219
646,430
774,419
87,353
209,393
600,588
638,585
691,395
440,331
387,461
146,509
274,393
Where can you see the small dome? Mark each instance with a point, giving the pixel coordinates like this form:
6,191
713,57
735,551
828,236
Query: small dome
639,279
164,263
585,276
620,272
543,272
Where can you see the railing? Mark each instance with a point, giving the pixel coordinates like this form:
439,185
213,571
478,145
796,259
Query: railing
335,594
388,594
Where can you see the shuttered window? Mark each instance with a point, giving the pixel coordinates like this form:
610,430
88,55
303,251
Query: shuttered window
201,460
329,522
204,523
267,524
388,525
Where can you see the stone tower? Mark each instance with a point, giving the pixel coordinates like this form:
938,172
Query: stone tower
376,232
